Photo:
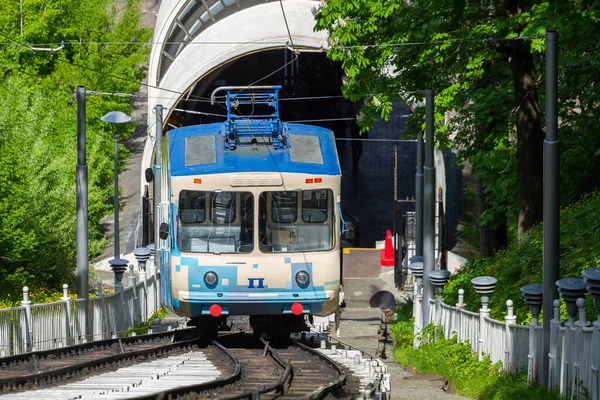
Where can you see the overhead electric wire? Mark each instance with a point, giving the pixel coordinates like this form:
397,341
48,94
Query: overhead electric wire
340,119
49,115
287,26
274,72
293,47
376,140
103,72
109,93
280,43
194,112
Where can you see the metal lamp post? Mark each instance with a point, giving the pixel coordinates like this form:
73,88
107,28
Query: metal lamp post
116,117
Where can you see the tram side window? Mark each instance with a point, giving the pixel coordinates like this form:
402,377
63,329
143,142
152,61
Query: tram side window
215,222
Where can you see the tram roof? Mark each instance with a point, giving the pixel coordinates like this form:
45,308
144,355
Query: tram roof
198,150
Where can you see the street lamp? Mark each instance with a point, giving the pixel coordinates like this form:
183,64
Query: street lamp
116,117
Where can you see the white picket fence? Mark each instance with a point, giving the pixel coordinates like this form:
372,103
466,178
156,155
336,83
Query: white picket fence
34,327
574,357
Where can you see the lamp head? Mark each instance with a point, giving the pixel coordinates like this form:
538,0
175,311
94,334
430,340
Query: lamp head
116,117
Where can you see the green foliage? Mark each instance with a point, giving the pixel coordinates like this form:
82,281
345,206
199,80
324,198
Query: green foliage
521,264
142,328
38,129
452,359
458,48
402,330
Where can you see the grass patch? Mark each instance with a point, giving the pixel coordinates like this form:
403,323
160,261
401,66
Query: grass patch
142,329
458,363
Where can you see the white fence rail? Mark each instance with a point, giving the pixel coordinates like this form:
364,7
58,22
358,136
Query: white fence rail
574,356
63,323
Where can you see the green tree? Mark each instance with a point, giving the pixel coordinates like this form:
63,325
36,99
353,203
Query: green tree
105,49
464,50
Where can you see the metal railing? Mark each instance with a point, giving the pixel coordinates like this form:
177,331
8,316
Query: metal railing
574,357
405,233
33,327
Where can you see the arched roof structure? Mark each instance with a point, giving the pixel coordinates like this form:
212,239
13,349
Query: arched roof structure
194,37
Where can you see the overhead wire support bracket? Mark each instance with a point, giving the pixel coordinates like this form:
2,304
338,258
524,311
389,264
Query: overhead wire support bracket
265,123
49,50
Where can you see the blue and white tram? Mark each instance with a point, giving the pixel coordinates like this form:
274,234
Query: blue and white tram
252,221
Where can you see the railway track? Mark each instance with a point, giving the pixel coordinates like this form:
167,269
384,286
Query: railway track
51,366
163,366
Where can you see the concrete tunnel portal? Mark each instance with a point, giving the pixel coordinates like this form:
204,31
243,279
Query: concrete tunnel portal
199,45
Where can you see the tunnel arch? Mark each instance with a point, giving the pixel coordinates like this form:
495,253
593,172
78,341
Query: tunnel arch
258,27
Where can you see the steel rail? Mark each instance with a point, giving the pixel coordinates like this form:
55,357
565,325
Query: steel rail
83,347
201,387
278,388
333,385
76,369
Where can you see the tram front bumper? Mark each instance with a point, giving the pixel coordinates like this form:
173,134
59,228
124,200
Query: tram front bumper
243,303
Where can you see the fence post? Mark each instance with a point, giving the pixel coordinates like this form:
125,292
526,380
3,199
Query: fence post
509,345
595,365
460,306
438,280
417,270
533,295
570,290
555,348
578,350
28,328
484,286
152,273
142,254
68,323
99,312
592,279
133,315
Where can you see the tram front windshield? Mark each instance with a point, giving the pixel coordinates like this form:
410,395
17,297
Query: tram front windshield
215,222
296,221
223,222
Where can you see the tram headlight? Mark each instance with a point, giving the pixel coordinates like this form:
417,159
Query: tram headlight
211,279
302,279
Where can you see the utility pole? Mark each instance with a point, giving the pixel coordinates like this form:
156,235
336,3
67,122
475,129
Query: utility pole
81,189
419,197
157,177
551,196
428,206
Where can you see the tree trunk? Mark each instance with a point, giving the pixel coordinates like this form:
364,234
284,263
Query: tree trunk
530,137
492,236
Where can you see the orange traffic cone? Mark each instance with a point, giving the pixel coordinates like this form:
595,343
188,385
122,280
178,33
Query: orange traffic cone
387,254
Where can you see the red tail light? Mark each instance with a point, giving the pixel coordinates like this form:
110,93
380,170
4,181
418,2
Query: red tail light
297,308
215,310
